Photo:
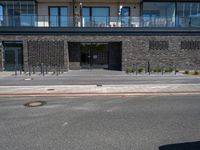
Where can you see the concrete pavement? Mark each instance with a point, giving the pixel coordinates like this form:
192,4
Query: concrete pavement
93,77
84,90
98,82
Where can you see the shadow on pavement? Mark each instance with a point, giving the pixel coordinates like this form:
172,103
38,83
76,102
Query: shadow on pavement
182,146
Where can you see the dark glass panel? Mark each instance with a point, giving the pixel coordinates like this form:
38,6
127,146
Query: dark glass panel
159,14
54,17
63,16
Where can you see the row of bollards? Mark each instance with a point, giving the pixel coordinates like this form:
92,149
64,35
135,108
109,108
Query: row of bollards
42,69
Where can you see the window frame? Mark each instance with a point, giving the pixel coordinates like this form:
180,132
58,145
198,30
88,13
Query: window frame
90,12
59,14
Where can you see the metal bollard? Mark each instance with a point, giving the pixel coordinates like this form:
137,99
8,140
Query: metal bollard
162,70
42,69
46,69
175,69
136,69
57,71
15,70
29,70
148,67
33,69
20,70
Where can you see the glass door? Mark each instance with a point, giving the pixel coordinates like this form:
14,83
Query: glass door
58,16
125,14
95,16
85,56
11,59
94,55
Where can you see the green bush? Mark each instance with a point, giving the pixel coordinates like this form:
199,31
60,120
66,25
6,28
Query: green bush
129,70
196,73
187,72
140,70
169,70
157,70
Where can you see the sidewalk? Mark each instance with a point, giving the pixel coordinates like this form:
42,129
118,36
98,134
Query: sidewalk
85,90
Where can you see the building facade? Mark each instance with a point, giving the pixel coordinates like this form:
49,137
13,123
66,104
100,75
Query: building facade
112,34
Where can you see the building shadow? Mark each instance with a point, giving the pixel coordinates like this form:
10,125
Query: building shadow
182,146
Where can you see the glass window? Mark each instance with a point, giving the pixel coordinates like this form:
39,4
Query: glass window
19,13
125,13
54,14
95,16
188,14
58,16
63,16
86,17
161,14
1,14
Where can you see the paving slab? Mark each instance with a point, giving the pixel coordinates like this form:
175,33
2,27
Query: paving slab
99,90
88,77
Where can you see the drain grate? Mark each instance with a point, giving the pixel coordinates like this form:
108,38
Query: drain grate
35,103
50,89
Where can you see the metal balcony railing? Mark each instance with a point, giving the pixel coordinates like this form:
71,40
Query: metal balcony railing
64,21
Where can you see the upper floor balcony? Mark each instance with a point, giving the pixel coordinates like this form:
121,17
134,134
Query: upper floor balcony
98,22
115,15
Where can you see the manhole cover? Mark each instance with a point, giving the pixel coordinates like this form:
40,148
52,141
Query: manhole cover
35,104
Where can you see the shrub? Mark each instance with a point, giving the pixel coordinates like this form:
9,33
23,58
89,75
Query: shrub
169,70
157,70
187,72
140,70
129,70
177,70
196,73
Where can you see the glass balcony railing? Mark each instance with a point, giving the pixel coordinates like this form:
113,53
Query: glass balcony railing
64,21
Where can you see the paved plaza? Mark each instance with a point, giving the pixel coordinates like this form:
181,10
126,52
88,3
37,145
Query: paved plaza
93,77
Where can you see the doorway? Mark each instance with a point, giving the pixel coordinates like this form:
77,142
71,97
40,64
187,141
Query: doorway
94,55
13,55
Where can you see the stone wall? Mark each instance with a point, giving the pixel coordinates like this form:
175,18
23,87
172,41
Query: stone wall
165,50
136,50
49,53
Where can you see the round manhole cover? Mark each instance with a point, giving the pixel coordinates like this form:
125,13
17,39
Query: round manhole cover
35,104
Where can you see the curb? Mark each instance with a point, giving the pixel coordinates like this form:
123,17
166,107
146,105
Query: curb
98,93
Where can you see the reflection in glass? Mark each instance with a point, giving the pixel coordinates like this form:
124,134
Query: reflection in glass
95,16
63,16
18,13
125,13
188,14
1,15
160,14
54,17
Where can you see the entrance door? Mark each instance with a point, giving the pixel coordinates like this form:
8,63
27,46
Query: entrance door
94,55
13,56
10,59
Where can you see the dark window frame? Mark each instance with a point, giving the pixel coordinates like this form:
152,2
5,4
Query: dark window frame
59,14
90,10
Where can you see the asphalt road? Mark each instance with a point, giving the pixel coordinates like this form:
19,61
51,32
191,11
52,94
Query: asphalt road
101,123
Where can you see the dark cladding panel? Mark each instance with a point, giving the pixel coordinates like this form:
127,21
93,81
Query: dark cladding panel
115,56
48,52
74,55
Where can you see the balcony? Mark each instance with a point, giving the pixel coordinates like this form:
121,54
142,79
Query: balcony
98,22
